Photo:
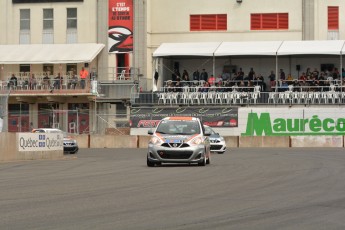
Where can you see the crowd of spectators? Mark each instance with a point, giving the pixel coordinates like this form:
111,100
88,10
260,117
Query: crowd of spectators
203,82
309,80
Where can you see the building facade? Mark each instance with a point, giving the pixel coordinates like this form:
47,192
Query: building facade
51,30
44,44
240,20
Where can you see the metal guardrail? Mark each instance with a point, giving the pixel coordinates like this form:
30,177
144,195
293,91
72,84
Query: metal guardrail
240,98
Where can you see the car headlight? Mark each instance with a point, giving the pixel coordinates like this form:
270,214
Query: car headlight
221,138
155,140
196,141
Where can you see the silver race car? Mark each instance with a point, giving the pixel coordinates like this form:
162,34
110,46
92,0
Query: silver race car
217,141
179,140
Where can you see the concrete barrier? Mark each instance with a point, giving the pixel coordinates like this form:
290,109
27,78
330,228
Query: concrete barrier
143,141
317,141
10,150
10,146
231,142
82,140
264,141
113,141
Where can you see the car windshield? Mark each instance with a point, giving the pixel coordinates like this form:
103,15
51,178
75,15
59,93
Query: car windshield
178,127
210,130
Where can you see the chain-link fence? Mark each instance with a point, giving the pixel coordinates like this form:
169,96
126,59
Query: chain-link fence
4,94
78,121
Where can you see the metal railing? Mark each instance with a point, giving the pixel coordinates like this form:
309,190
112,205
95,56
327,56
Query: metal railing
241,96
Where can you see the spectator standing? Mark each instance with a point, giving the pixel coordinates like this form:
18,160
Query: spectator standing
13,81
185,76
33,82
46,81
272,78
83,75
196,75
282,75
203,75
74,81
57,81
251,74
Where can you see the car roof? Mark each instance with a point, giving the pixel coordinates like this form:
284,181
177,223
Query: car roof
46,130
181,118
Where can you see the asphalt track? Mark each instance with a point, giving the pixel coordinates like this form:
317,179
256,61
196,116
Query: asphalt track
292,188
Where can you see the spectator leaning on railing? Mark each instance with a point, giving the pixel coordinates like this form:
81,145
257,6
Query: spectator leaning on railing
83,75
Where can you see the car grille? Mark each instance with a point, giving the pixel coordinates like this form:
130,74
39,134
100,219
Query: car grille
175,145
166,154
68,144
214,141
216,147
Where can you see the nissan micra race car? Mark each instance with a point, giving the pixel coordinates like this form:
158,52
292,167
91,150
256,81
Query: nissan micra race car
179,140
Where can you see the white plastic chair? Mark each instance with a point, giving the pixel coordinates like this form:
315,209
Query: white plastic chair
122,75
72,127
162,97
272,97
203,97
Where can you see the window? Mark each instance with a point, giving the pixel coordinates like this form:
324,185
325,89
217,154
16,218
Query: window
24,34
25,19
208,22
24,68
270,21
72,18
72,25
48,19
333,18
48,26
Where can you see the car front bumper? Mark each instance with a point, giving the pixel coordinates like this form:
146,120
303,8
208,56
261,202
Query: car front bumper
161,154
218,146
70,148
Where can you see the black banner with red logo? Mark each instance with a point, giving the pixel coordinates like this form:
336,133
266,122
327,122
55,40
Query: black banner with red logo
214,117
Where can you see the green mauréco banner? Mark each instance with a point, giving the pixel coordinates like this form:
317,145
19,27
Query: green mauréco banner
214,117
261,124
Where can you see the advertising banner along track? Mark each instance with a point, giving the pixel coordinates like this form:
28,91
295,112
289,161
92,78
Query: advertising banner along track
214,117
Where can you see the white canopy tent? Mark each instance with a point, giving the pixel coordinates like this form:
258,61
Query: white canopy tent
329,47
49,53
186,49
253,48
260,48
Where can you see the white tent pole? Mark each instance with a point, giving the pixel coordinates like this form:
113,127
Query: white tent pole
277,65
341,68
214,66
276,89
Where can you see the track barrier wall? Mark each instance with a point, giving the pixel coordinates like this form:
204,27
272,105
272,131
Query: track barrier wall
10,152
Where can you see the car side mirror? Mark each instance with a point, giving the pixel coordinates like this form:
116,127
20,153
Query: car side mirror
207,133
150,132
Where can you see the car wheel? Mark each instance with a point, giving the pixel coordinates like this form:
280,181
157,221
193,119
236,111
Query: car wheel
203,163
208,161
149,163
